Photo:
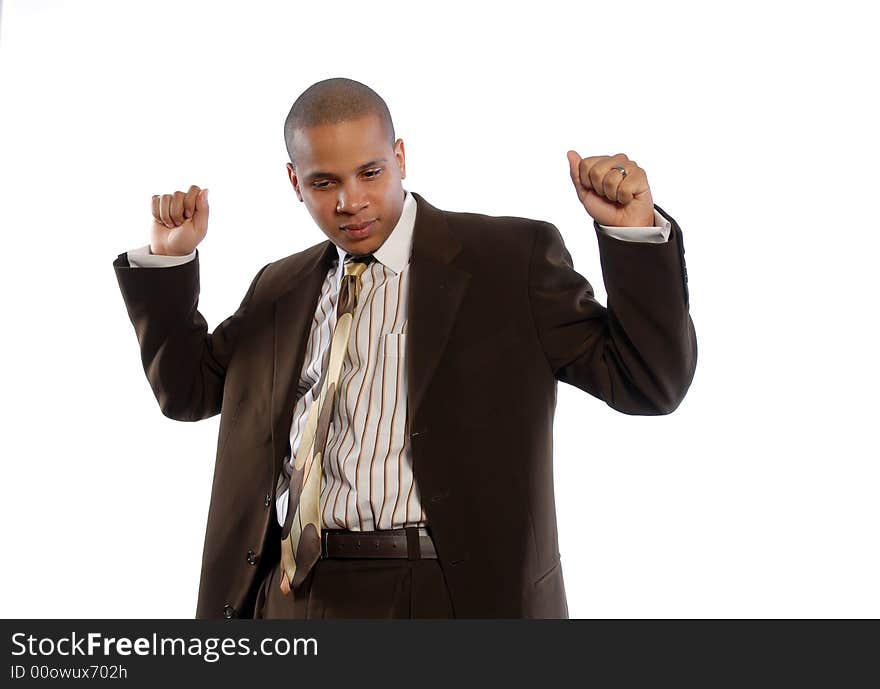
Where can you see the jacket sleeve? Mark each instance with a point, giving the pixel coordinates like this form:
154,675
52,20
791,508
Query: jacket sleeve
184,363
639,354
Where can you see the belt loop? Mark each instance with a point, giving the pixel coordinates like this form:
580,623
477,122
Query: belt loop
413,551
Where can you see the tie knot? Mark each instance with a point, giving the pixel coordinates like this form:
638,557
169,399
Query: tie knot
356,265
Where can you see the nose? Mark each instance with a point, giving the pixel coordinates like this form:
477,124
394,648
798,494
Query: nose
351,201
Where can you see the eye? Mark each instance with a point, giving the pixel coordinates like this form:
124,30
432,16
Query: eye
373,173
320,185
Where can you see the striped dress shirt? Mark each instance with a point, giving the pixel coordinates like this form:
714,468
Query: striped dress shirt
368,479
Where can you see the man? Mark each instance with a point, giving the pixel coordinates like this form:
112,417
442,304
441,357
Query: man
387,396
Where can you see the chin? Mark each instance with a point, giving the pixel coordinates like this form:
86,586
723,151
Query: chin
367,245
365,249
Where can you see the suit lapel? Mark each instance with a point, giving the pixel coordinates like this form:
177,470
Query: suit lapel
436,289
294,311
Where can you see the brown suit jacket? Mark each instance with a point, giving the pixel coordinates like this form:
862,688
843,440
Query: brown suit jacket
497,315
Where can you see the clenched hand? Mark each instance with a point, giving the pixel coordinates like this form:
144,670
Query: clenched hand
180,222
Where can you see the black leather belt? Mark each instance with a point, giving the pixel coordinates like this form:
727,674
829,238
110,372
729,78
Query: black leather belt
410,543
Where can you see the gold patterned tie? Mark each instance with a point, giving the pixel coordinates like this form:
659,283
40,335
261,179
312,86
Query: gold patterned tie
301,534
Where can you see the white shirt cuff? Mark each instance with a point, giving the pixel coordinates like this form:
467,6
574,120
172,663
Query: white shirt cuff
142,258
657,234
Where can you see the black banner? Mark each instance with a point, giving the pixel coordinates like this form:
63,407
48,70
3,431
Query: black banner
409,653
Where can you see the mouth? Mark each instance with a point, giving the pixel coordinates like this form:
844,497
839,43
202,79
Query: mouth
359,230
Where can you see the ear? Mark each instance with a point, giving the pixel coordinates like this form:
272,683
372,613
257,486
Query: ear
294,180
400,154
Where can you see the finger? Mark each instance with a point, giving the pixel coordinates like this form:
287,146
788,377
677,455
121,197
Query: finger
635,183
165,210
189,201
620,194
601,168
177,207
585,171
612,181
155,205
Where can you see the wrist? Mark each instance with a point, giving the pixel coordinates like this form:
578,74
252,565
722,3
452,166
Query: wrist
154,252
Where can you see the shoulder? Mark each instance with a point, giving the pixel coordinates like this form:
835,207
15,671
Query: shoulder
470,226
478,231
280,275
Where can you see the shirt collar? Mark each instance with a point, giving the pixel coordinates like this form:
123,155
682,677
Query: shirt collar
395,250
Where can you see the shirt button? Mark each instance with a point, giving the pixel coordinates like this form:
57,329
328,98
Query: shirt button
267,500
228,611
251,557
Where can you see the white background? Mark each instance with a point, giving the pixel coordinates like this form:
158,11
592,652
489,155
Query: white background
756,125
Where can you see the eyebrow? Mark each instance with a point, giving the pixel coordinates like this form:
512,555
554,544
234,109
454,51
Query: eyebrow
312,176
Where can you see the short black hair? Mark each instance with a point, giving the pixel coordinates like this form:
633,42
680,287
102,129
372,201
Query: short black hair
331,101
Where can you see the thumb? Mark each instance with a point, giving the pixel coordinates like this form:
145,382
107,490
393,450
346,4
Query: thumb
574,160
202,201
200,217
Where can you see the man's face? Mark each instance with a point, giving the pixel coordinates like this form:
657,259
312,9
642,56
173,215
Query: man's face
348,174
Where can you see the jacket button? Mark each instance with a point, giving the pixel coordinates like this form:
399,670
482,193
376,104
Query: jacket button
267,500
228,611
251,557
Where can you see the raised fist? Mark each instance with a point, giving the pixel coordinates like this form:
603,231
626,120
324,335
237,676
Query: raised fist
180,222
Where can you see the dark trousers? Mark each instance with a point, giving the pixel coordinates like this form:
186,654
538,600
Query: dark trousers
359,588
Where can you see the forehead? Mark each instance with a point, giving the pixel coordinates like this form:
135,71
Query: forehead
340,146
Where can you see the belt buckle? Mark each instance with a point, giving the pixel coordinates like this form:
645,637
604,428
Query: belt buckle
324,543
